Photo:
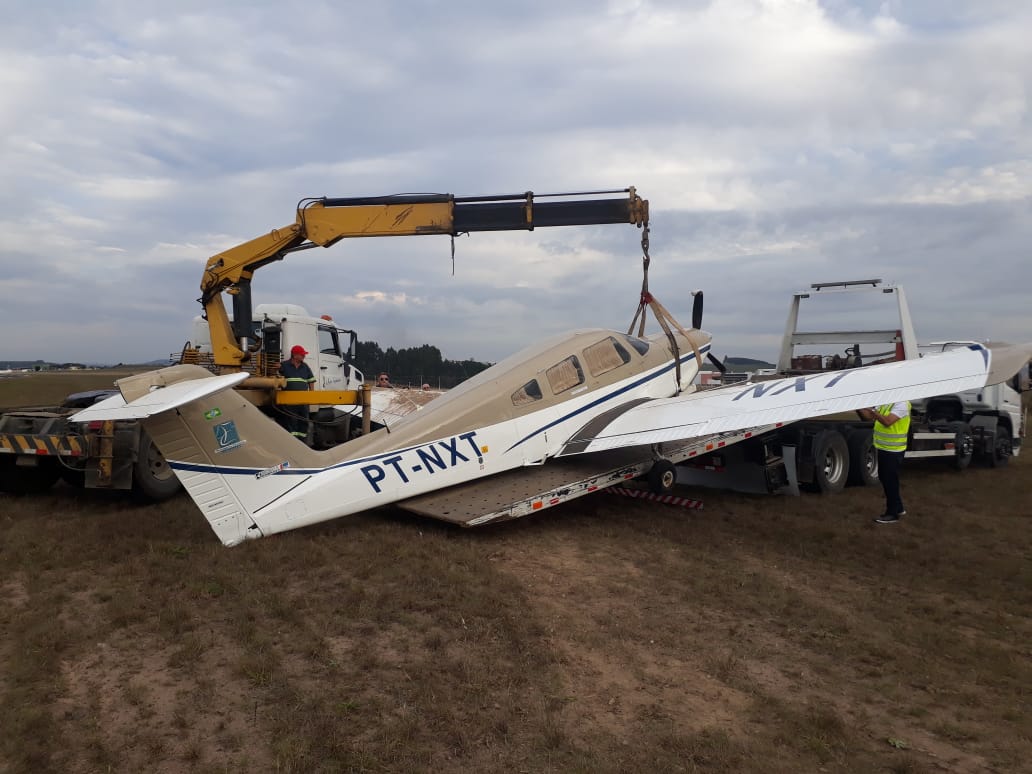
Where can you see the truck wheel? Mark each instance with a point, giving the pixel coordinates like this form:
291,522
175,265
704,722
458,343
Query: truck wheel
863,458
831,462
662,477
74,476
27,479
964,445
1001,448
153,479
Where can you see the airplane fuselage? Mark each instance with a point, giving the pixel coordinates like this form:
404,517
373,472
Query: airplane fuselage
519,412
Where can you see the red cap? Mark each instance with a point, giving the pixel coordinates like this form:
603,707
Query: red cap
297,349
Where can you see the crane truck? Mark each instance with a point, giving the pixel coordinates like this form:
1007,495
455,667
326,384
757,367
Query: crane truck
39,445
825,454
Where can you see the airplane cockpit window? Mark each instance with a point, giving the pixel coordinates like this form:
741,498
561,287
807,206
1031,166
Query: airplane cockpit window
606,355
565,375
328,341
638,344
528,393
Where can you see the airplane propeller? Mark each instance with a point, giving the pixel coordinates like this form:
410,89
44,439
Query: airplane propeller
697,309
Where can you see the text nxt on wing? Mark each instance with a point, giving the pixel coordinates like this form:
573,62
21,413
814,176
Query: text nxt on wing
250,478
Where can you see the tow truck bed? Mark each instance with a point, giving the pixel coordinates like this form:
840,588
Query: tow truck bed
527,490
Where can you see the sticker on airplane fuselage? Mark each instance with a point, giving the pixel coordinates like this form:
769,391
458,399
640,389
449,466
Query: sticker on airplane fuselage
227,437
273,470
412,463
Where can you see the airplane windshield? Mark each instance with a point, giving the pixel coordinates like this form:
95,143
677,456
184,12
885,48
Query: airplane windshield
528,393
641,346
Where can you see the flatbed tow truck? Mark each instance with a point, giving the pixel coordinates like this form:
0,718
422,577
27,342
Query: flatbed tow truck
528,490
821,455
826,453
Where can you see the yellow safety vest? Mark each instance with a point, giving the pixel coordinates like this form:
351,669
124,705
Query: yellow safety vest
892,437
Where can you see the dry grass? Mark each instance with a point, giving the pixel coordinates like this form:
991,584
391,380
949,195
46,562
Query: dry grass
50,388
761,634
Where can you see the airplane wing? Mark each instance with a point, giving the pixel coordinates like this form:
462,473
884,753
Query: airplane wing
157,400
753,404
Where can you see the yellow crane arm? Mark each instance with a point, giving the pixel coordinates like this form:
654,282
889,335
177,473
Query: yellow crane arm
323,222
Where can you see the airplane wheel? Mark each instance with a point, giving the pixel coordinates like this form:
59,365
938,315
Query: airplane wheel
1001,448
662,477
153,479
964,444
863,458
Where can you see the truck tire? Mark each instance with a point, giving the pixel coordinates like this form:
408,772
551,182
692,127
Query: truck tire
863,458
74,476
1001,448
964,444
831,462
153,479
27,479
662,477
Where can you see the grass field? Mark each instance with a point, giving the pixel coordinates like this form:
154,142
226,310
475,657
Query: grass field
762,634
50,388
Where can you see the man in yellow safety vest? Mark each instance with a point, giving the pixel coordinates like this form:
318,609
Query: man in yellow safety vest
891,426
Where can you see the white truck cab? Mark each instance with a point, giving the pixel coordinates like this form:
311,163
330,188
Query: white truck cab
278,327
994,412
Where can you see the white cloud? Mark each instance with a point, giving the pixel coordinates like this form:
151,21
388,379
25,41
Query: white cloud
779,142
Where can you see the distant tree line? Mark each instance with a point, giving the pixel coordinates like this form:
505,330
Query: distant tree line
40,365
414,366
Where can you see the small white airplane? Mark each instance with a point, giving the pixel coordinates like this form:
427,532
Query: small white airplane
576,393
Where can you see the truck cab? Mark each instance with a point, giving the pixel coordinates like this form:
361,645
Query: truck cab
278,327
994,413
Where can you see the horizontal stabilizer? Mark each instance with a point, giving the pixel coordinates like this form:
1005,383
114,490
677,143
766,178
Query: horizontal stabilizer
1007,360
159,399
753,404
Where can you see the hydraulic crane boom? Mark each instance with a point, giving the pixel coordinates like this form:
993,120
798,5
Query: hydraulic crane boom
324,221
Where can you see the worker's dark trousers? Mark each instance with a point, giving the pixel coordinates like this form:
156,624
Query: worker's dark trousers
888,472
295,419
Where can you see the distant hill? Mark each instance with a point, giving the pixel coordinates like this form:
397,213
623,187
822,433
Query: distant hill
49,365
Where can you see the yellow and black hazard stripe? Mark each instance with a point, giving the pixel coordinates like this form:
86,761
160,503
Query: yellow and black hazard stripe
42,445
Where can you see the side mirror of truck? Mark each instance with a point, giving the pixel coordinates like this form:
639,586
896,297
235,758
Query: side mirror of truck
1021,382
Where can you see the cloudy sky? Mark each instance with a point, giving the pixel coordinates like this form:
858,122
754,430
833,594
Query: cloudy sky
779,142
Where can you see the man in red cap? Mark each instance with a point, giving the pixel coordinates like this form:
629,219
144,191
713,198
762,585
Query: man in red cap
299,377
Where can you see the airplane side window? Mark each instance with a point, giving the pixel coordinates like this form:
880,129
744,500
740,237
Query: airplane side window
328,341
528,393
641,346
565,375
605,356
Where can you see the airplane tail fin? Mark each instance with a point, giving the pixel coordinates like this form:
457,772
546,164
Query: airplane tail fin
232,459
